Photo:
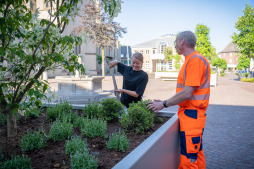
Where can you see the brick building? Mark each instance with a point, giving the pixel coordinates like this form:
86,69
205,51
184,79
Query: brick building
230,54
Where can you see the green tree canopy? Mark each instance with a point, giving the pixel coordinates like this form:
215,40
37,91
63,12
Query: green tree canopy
243,62
168,53
220,63
203,42
28,47
244,39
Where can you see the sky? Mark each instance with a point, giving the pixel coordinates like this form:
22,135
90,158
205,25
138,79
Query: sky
149,19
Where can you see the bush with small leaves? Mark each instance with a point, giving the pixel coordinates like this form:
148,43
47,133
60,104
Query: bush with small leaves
138,118
119,141
31,141
60,130
59,110
92,110
69,117
15,162
94,128
82,159
111,109
76,143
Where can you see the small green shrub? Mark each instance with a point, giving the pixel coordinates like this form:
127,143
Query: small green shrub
68,117
75,144
92,110
59,110
246,75
111,109
138,118
3,118
251,80
94,128
222,73
22,162
32,114
60,130
118,141
82,159
79,122
31,141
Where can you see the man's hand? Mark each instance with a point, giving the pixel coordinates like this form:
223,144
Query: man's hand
155,105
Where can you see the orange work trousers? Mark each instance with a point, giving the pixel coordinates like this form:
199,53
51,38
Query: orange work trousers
192,123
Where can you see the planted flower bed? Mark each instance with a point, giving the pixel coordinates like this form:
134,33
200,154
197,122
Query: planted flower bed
61,137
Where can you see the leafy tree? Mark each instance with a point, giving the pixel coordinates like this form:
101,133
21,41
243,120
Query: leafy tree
29,47
168,53
244,40
243,62
203,42
100,28
219,63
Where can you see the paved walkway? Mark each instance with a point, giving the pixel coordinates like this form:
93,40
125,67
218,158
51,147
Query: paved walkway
229,132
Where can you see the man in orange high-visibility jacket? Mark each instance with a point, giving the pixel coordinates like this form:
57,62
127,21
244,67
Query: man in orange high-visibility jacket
192,95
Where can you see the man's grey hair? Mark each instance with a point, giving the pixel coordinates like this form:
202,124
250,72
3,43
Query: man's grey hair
189,37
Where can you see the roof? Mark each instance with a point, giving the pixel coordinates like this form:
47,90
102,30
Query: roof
230,48
169,39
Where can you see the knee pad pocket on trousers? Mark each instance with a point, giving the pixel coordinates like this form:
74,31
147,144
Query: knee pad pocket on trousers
193,140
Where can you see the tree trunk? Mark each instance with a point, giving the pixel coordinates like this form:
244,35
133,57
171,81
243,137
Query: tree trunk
11,125
218,71
102,63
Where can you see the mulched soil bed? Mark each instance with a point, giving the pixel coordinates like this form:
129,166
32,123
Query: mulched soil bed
53,155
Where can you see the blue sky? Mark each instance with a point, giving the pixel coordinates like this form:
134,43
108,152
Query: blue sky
148,19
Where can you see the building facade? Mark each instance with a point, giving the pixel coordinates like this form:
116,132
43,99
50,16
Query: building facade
154,59
87,51
230,54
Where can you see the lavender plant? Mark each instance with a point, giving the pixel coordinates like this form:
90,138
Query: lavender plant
118,140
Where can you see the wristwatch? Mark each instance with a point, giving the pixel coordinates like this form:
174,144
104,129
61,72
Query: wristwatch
165,103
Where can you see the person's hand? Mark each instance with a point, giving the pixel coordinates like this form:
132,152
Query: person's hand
155,105
112,63
118,91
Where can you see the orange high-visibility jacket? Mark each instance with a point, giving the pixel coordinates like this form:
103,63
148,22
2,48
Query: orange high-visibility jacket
195,72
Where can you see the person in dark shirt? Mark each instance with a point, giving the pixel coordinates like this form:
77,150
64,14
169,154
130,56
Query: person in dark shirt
134,79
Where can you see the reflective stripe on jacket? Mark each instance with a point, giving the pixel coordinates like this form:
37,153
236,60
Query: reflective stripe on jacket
195,72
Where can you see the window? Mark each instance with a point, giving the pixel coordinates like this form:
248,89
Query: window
153,51
230,60
47,5
135,51
147,52
77,50
141,52
161,47
163,66
230,54
147,65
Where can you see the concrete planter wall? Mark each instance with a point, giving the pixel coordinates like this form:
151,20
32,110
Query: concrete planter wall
159,151
214,80
166,75
70,83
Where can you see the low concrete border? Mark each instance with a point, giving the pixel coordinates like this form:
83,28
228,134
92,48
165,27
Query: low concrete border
159,151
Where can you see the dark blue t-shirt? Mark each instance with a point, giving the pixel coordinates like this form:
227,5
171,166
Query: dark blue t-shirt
134,81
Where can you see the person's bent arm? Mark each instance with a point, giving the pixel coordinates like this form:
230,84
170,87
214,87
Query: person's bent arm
129,92
112,63
178,98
